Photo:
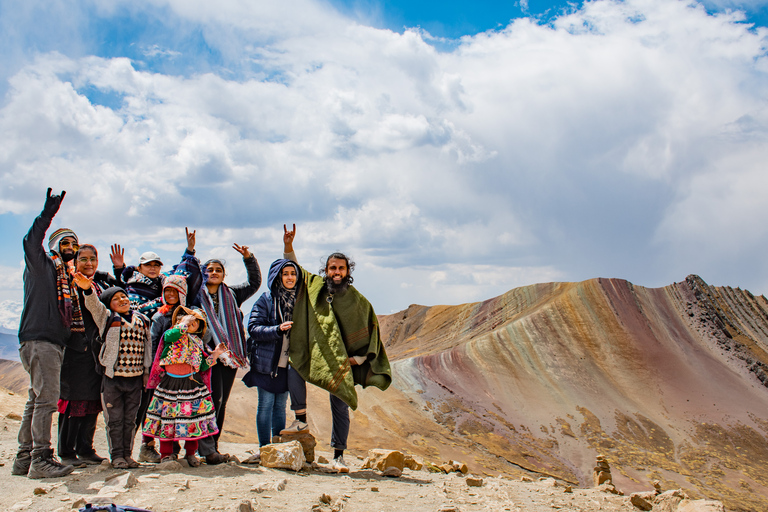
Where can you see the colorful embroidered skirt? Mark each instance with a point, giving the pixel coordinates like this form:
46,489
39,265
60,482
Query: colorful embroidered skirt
180,409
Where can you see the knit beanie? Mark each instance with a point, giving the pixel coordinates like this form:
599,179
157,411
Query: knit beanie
57,236
106,295
178,283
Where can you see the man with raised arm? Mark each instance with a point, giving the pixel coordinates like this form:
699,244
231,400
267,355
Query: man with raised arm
334,342
51,313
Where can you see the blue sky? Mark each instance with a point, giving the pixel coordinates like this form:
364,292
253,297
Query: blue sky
454,153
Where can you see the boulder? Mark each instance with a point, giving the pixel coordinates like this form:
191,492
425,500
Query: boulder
412,463
382,459
641,501
307,441
668,501
474,481
392,471
283,455
459,467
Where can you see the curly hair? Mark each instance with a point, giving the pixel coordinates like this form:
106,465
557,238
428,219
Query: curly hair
340,256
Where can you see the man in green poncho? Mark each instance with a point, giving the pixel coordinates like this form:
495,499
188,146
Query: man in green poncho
334,344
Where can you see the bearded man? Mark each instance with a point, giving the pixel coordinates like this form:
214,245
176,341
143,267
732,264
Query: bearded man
334,343
51,313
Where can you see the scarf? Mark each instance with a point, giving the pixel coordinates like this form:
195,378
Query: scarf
69,305
226,325
286,299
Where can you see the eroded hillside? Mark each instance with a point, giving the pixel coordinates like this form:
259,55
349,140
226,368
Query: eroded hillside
669,383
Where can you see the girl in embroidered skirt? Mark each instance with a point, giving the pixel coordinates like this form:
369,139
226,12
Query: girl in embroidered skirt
181,408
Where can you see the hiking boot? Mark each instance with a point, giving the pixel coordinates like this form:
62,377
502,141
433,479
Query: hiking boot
91,459
21,463
339,465
147,453
192,460
296,427
47,466
73,461
216,458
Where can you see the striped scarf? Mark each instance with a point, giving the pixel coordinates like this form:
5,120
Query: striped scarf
226,325
69,305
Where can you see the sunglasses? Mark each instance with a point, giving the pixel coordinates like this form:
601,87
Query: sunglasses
87,260
67,243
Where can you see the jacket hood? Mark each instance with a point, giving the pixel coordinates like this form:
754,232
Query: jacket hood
274,273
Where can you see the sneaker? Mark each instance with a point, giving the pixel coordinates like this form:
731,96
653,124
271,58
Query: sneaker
131,463
91,459
47,466
149,454
296,427
21,463
73,461
216,458
253,459
339,465
169,458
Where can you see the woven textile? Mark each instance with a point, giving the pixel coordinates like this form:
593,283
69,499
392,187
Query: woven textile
130,359
181,409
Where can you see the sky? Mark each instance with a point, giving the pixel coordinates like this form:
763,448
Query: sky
454,150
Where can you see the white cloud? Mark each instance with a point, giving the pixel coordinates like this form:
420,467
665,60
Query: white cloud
600,143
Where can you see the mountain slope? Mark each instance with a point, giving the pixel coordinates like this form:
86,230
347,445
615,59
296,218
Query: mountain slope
669,383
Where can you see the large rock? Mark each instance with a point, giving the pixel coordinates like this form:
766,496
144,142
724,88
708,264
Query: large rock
382,459
668,501
283,455
412,463
307,441
642,500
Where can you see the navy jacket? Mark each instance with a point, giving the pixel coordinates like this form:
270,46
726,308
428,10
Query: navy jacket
263,326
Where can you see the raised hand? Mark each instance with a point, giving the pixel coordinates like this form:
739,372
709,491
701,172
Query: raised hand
190,239
53,202
288,237
81,281
242,249
286,326
117,255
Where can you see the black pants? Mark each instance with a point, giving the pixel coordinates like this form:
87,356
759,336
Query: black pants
76,434
120,399
339,409
222,379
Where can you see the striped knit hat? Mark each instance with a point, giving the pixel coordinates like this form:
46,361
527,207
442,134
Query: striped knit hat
57,236
178,283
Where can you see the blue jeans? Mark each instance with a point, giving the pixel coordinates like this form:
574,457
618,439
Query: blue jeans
270,415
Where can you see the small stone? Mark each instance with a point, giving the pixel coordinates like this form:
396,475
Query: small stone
381,459
39,491
280,486
284,455
474,482
325,498
261,487
568,489
322,460
13,416
449,508
245,506
306,440
701,506
639,501
374,489
169,465
526,479
79,503
392,471
446,468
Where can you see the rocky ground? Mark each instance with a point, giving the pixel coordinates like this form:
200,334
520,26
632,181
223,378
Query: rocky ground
242,487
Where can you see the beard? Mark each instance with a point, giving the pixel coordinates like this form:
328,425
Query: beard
337,288
67,256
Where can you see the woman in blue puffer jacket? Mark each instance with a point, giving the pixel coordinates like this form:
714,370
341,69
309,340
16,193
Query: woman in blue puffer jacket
269,326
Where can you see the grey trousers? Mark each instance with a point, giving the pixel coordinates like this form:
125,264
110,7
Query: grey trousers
120,398
42,361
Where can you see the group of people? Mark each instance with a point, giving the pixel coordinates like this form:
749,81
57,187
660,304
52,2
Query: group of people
159,351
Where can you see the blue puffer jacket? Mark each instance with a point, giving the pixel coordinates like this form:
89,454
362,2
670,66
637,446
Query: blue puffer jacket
263,324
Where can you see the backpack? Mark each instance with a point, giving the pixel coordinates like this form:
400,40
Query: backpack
112,508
